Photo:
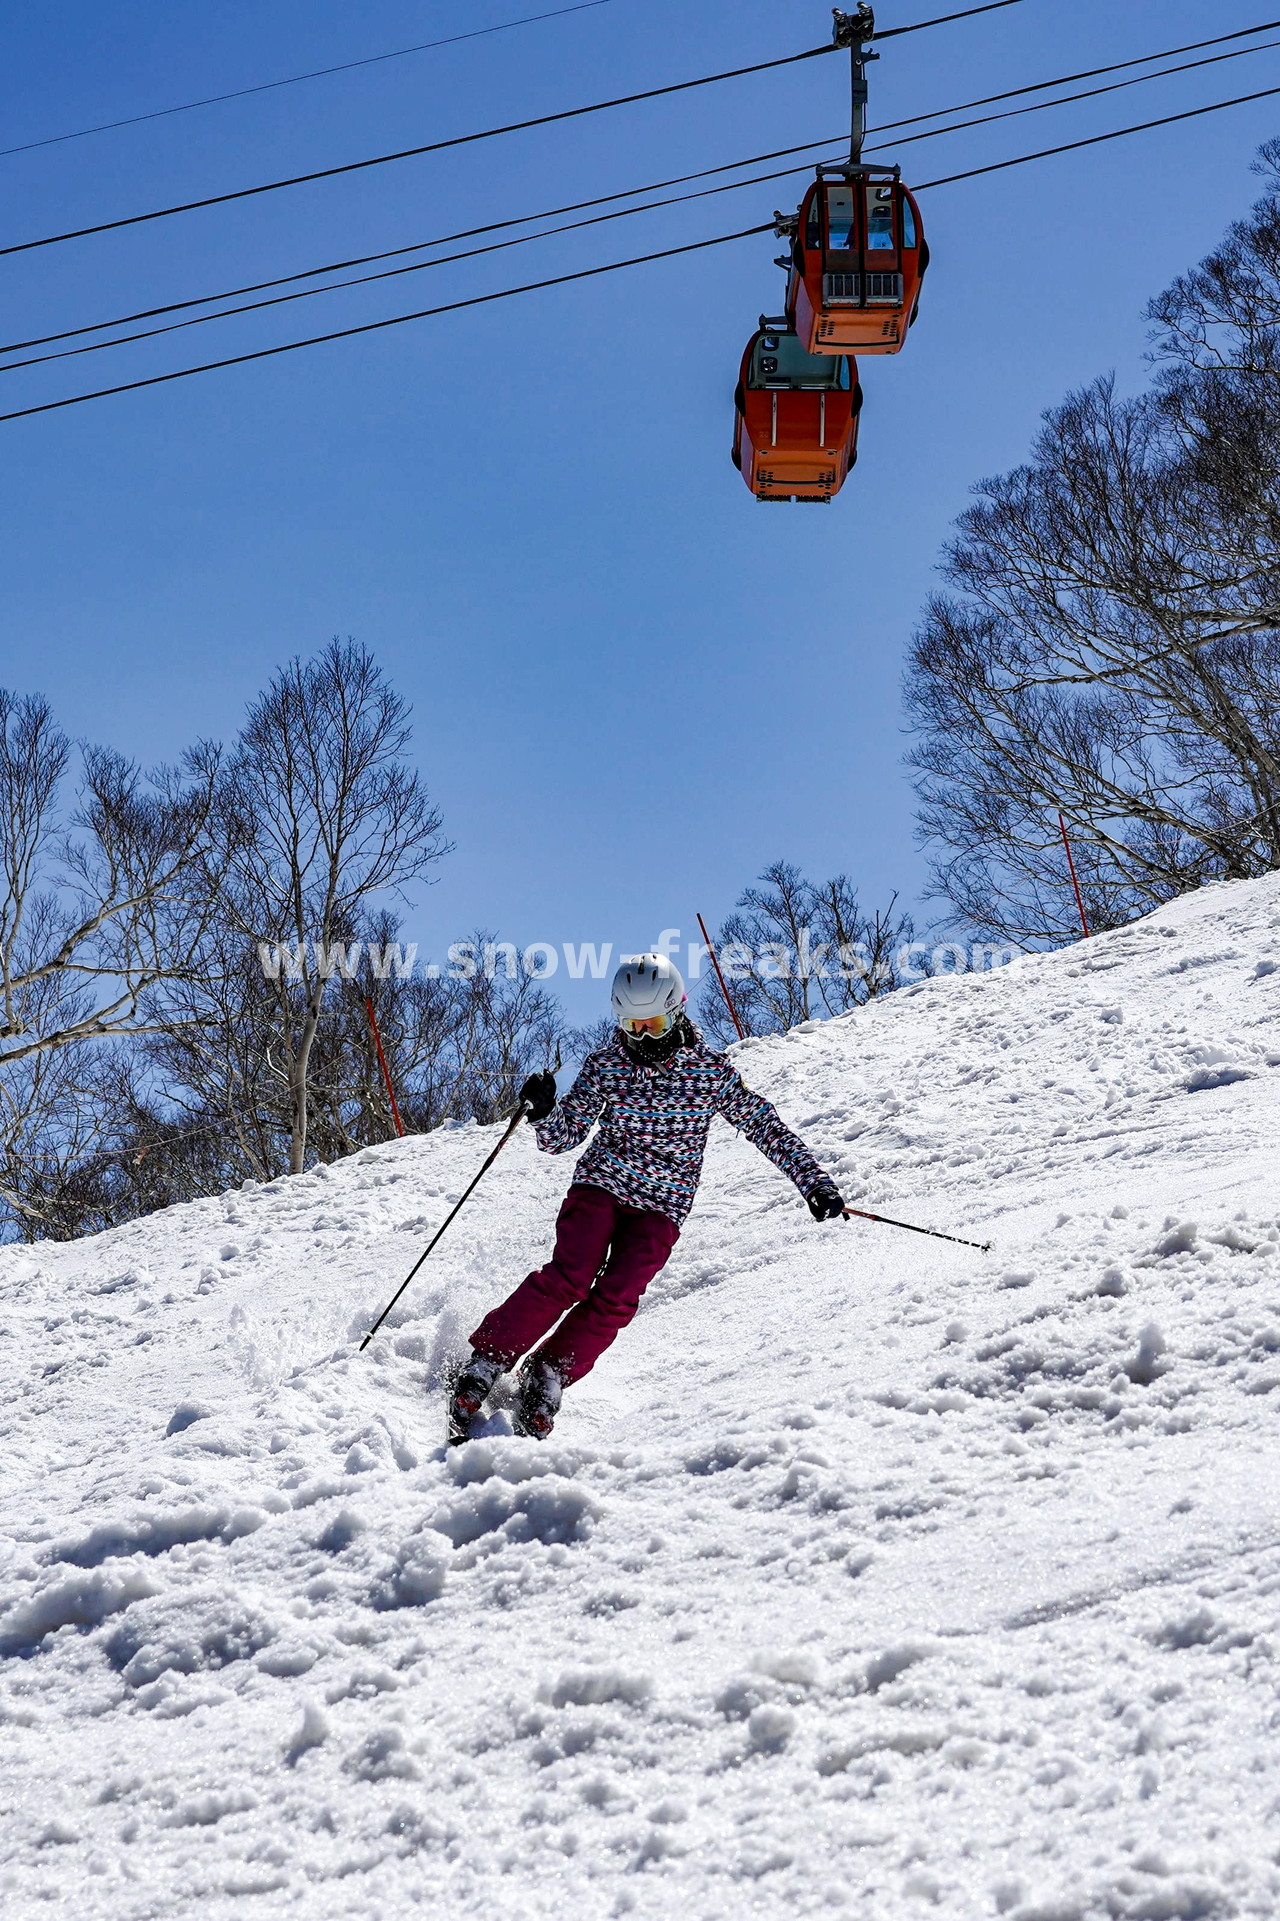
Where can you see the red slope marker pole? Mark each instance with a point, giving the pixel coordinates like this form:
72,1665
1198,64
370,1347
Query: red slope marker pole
984,1247
382,1061
733,1012
1062,825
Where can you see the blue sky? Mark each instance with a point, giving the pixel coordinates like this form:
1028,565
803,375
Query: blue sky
633,687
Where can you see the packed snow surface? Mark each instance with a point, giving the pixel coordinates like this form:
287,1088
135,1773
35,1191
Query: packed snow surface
865,1573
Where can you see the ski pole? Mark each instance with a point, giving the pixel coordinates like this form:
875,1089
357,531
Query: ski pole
512,1125
984,1246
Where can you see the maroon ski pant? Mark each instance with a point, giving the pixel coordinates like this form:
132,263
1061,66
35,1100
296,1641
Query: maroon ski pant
606,1255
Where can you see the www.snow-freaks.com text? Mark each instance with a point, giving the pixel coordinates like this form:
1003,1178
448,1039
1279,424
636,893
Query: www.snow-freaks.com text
805,959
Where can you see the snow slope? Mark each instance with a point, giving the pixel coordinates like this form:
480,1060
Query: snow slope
866,1573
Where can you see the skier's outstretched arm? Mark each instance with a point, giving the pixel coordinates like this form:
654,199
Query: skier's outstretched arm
571,1120
758,1119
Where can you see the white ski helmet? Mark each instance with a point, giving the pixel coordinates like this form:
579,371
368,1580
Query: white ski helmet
647,987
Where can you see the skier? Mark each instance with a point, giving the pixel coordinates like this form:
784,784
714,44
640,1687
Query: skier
655,1086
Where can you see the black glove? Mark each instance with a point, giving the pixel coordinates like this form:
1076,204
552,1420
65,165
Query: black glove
538,1095
825,1203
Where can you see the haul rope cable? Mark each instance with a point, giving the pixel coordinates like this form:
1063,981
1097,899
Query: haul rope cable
943,20
408,153
1096,139
396,320
466,233
1088,73
778,153
655,186
1069,99
487,133
1012,93
451,259
295,79
417,246
587,273
388,273
445,260
350,66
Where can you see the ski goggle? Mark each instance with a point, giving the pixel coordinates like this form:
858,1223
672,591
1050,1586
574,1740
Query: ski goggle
656,1025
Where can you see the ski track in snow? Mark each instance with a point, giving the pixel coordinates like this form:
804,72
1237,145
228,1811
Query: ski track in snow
865,1572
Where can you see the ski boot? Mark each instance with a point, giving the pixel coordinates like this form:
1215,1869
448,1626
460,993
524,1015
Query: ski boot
538,1391
468,1392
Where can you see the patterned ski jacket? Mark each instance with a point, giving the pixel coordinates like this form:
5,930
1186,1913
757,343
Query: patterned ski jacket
655,1122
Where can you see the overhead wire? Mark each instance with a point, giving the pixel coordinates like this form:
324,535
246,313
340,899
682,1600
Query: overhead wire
296,79
373,60
1088,73
584,273
413,153
395,320
486,133
1096,139
943,20
603,199
587,273
1090,93
393,273
444,260
416,246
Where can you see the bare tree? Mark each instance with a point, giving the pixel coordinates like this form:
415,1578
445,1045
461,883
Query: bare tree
185,964
797,950
99,911
578,1042
1223,315
96,910
1111,644
319,813
459,1045
1111,653
53,1120
202,1104
210,1073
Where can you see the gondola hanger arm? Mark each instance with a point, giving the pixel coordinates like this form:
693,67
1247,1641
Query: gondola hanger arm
854,30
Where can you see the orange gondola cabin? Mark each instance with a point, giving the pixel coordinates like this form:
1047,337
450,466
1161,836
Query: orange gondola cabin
858,257
797,427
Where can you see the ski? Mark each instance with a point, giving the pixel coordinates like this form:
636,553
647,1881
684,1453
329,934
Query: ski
457,1428
467,1389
